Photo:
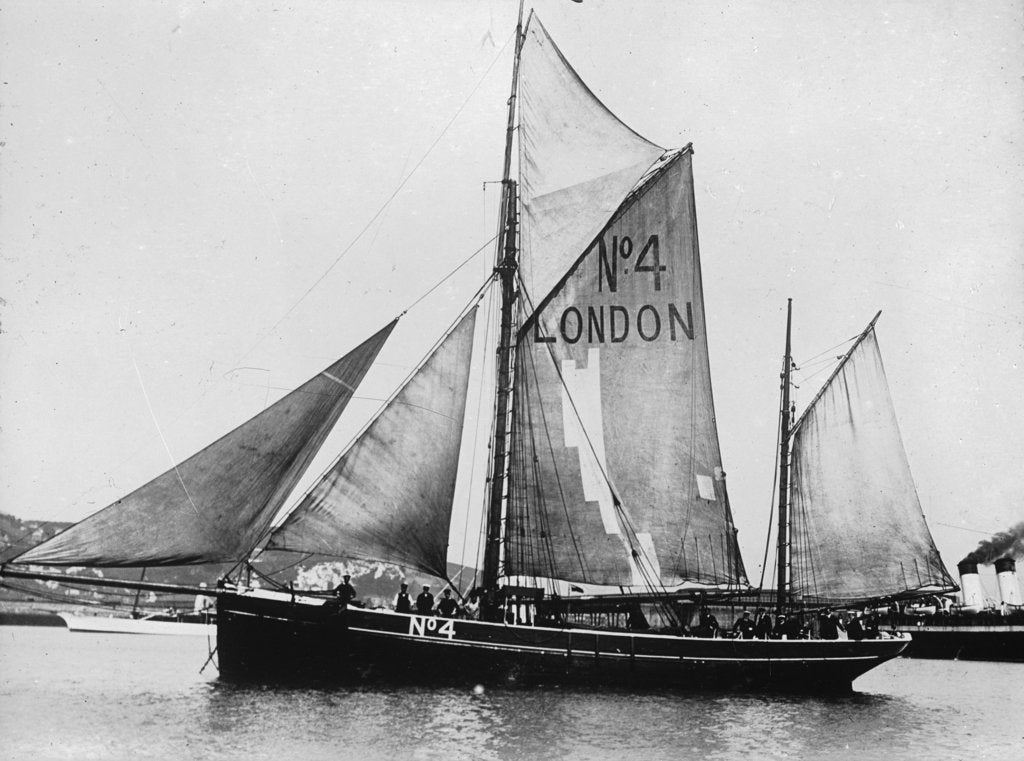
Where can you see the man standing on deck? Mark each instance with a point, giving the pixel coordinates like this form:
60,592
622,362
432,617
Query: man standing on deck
447,607
345,591
402,602
763,626
828,625
425,602
744,627
707,624
855,629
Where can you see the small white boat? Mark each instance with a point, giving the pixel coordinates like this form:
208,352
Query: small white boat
156,623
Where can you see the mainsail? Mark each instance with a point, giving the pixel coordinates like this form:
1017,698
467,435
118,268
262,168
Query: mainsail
389,496
215,506
616,474
857,529
577,162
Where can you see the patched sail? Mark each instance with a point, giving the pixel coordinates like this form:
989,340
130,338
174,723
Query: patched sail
577,162
389,496
856,528
214,506
616,475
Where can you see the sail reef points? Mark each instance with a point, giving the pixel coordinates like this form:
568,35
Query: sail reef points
616,324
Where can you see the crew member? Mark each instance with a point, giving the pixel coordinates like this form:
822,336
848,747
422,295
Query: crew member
828,625
447,607
763,624
403,604
345,592
707,624
744,627
425,602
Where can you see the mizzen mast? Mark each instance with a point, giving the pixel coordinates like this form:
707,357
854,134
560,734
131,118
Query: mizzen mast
506,265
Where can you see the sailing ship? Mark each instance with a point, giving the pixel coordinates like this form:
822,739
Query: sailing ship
606,491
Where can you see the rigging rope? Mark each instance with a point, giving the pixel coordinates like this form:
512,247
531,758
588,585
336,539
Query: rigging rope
476,440
379,211
636,548
558,480
775,484
827,351
283,515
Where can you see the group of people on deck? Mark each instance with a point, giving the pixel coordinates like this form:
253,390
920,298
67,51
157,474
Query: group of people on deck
829,624
424,604
446,607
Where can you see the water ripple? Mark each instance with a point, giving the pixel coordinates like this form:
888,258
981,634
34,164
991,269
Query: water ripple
78,696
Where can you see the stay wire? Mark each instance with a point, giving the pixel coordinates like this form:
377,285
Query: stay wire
775,484
827,351
584,571
379,211
544,520
279,520
635,545
489,313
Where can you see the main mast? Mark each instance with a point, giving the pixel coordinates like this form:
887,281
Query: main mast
782,556
505,269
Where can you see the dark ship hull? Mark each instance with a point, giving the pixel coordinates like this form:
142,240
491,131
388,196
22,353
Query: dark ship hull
989,634
967,641
271,636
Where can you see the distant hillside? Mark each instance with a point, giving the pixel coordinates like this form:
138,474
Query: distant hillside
375,583
17,535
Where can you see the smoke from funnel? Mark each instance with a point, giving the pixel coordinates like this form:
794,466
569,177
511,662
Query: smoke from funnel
1008,543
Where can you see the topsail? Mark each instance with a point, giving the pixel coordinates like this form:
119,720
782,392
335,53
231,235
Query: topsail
577,161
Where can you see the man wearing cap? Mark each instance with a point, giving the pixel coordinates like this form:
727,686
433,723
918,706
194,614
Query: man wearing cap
425,602
707,624
447,607
402,602
744,627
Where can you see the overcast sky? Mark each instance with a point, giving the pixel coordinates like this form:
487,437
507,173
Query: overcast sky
196,216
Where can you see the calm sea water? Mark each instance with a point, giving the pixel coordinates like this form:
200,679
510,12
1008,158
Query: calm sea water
97,696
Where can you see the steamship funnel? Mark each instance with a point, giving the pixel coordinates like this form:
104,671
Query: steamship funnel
1009,589
970,587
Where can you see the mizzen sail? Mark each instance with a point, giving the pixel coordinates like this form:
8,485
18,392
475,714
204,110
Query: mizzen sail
577,162
215,506
389,496
857,529
616,475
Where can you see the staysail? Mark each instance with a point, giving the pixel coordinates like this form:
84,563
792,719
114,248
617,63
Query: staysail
389,496
857,531
577,162
214,506
616,475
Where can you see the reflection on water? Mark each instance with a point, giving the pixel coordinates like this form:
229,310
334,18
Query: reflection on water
117,696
